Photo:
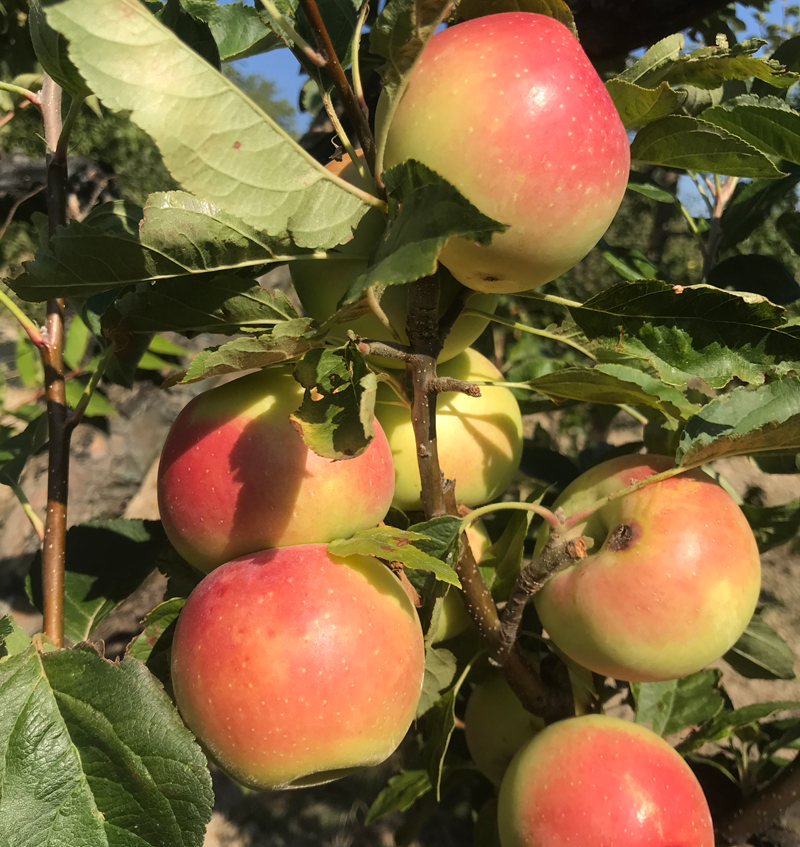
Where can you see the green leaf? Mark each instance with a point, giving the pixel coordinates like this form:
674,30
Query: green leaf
440,671
773,525
763,275
638,106
691,331
746,420
153,645
216,142
201,303
289,340
722,725
440,537
630,264
93,588
653,192
13,638
393,545
752,204
192,32
760,653
15,451
28,362
425,211
662,54
706,67
678,141
398,36
440,721
94,754
174,238
502,562
336,415
558,9
676,704
237,29
51,52
775,131
98,406
616,384
401,792
76,342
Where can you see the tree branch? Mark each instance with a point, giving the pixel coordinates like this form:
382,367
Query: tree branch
349,100
54,544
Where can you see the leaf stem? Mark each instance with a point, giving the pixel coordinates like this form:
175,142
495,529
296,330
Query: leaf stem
24,321
549,298
571,520
358,88
477,313
36,521
32,96
349,99
289,33
77,413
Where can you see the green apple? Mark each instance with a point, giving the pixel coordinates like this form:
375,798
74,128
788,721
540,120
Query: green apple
321,283
294,667
597,781
509,109
236,477
671,581
497,726
479,438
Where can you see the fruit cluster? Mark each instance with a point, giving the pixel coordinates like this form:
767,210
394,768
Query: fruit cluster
293,666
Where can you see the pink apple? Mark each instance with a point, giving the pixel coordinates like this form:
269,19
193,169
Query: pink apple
294,667
236,477
671,581
509,109
597,781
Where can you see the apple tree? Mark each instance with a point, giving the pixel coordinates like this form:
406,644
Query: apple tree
391,514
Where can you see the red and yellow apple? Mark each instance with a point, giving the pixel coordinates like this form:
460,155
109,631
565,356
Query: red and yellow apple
321,283
479,438
454,619
294,667
509,109
597,781
496,726
236,477
671,581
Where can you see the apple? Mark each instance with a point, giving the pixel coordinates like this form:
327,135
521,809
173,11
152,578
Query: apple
294,667
321,283
236,477
597,781
509,109
671,581
454,618
479,438
496,726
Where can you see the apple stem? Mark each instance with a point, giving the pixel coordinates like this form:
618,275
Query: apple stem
758,811
349,99
555,556
55,529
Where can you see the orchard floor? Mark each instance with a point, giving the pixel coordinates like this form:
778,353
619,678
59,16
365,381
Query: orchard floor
113,474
